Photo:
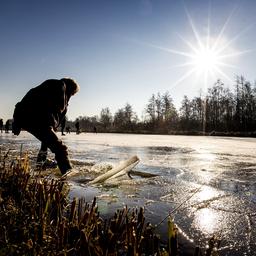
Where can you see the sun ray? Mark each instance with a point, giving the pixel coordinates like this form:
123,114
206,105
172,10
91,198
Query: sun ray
205,80
194,28
226,65
186,75
185,64
229,42
190,45
223,28
208,26
212,73
223,74
235,54
187,54
189,63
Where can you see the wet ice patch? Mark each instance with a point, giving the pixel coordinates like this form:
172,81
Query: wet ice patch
166,149
110,197
101,168
79,162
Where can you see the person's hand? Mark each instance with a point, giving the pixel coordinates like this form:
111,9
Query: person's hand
53,128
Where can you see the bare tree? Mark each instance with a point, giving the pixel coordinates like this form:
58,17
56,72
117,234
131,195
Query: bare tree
106,118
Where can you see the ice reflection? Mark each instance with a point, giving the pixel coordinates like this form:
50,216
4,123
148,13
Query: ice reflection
206,220
207,176
206,159
206,193
206,156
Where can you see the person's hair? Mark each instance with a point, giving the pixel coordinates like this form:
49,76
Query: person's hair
72,87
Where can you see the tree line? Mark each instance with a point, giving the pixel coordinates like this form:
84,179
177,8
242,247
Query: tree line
221,111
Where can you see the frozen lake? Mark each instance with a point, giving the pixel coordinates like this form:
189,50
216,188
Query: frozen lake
213,177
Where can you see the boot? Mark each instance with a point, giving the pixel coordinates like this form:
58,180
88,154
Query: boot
41,158
49,164
64,165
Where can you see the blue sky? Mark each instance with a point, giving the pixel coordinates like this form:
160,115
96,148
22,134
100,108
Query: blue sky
119,51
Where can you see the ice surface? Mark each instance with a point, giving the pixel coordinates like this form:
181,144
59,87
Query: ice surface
210,181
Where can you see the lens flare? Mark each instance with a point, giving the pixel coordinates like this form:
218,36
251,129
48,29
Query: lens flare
207,55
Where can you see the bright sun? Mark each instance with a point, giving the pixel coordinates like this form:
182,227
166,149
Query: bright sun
207,55
206,60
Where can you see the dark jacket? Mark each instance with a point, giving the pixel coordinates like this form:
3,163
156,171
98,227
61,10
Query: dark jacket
43,106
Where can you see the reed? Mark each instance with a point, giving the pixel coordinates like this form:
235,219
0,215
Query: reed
38,219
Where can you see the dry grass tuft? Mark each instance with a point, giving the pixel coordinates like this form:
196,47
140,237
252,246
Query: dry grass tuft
37,219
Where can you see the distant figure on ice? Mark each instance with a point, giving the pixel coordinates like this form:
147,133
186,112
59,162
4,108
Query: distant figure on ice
77,125
7,126
1,125
63,125
41,111
94,129
68,129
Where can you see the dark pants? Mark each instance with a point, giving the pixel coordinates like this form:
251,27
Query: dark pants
50,140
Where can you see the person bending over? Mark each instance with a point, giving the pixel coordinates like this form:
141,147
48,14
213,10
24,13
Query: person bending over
41,111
